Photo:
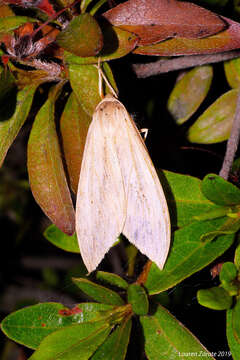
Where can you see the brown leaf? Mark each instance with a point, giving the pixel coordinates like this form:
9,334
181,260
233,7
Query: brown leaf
46,173
224,41
74,126
157,20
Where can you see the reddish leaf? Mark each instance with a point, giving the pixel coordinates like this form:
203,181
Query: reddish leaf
43,5
157,20
224,41
46,173
74,127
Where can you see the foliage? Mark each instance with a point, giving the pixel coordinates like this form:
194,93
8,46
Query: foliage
59,62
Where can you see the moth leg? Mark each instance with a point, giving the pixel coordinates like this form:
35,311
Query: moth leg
145,132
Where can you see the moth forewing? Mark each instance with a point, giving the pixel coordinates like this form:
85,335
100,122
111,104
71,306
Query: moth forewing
119,190
100,208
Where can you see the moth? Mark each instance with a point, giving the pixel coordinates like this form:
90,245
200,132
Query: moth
119,190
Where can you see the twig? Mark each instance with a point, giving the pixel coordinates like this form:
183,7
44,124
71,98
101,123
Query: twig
165,65
232,143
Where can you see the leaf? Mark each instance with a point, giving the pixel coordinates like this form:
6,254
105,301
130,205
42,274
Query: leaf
215,298
230,226
10,128
46,174
220,191
8,95
237,257
30,325
112,279
5,11
82,36
228,278
98,292
235,321
61,240
166,338
232,72
223,41
115,347
74,127
215,124
84,5
76,342
234,345
188,255
185,198
10,23
117,43
157,20
228,272
137,297
84,80
189,92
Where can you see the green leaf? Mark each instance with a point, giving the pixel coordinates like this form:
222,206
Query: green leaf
228,272
234,345
11,23
215,124
220,191
84,5
236,322
214,214
188,255
117,43
76,342
74,127
232,72
98,292
231,226
61,240
46,173
30,325
8,94
10,128
115,347
97,6
185,197
112,279
189,92
82,37
84,80
166,338
237,257
137,297
215,298
228,276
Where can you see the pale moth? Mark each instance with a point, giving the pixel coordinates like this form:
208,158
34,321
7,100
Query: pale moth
119,190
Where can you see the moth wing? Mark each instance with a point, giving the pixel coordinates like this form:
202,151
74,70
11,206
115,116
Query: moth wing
147,223
101,202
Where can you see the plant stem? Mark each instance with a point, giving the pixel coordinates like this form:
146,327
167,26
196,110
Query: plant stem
182,62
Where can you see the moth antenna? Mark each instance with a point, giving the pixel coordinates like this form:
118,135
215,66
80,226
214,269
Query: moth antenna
101,76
